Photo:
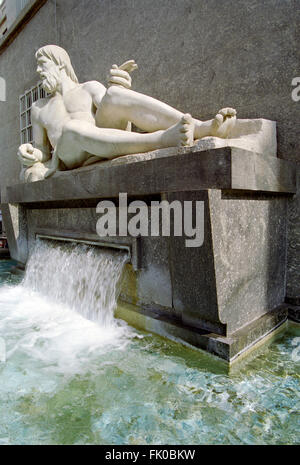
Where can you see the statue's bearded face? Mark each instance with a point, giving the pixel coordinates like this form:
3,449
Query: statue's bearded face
50,74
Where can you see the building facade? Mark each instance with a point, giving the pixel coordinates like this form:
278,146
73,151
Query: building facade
9,11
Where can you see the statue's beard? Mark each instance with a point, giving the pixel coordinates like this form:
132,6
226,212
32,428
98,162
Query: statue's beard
50,83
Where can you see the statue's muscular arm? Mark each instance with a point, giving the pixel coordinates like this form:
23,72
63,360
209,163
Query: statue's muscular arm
96,91
40,138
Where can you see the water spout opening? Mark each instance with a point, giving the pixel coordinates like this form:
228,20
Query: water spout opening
103,244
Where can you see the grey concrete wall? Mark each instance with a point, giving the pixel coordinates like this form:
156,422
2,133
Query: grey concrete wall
293,252
197,55
239,273
17,67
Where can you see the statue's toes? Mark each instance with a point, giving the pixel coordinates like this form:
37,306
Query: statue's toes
226,112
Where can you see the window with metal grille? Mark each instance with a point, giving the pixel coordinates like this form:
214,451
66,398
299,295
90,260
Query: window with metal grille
26,101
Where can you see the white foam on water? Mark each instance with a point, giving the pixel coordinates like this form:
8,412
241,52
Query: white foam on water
63,312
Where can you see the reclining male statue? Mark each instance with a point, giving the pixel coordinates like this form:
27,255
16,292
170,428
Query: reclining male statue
87,122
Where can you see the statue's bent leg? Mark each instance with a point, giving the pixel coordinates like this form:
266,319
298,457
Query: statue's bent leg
79,140
120,105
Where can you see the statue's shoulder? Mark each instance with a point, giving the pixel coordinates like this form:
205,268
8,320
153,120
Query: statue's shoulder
41,103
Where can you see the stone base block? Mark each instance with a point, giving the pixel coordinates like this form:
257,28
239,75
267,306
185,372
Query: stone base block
229,349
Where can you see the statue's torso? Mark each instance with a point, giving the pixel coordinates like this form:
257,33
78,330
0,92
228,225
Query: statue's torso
57,110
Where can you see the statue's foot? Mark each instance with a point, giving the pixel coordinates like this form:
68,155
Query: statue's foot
224,122
181,134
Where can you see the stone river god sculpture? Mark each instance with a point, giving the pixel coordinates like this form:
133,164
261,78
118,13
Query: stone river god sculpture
79,124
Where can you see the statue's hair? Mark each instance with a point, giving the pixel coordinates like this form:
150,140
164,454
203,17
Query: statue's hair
59,56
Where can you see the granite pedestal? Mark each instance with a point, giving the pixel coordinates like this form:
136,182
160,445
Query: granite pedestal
222,297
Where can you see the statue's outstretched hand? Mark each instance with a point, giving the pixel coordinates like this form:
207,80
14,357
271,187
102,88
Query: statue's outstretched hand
28,155
119,75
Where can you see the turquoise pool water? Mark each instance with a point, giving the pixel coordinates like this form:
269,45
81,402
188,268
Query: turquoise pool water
67,380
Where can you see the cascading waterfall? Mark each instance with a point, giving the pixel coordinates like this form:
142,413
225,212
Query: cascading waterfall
85,278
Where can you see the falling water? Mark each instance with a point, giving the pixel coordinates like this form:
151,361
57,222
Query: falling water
85,278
